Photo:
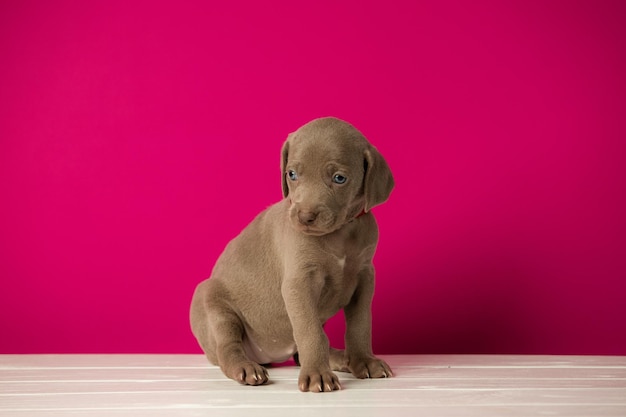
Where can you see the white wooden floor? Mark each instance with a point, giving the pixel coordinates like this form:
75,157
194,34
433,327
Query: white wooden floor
428,385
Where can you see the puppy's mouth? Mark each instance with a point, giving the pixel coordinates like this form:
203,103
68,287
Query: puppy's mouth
311,231
317,224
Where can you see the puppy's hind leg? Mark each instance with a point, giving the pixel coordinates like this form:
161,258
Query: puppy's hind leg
220,334
338,360
228,332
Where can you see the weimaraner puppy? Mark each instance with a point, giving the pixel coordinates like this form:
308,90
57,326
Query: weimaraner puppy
298,263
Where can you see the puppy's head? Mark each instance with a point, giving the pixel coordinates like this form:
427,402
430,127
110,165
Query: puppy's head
331,174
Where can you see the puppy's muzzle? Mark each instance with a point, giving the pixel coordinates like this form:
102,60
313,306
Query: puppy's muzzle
307,218
317,220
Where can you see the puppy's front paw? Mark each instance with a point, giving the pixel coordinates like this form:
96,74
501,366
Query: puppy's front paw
248,373
369,367
318,381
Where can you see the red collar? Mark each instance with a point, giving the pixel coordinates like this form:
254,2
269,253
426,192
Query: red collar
361,214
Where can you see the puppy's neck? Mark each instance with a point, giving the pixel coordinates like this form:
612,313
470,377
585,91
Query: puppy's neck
361,213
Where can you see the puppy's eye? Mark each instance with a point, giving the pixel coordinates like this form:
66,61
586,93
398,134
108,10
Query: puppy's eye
339,179
292,175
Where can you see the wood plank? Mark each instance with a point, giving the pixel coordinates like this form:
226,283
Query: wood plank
145,374
447,411
35,387
194,360
268,397
102,361
434,385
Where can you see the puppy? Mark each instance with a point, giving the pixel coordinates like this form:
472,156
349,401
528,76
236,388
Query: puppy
298,263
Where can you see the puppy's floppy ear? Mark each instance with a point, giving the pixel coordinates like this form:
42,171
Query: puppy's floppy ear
378,181
283,166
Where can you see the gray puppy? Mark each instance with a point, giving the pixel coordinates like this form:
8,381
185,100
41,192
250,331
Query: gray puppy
298,263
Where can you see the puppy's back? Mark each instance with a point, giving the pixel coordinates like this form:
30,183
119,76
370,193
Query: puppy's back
253,258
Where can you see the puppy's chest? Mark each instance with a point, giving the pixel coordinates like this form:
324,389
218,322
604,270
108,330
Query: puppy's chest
341,275
344,258
341,266
341,261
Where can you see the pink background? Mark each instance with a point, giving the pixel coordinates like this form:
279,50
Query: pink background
136,139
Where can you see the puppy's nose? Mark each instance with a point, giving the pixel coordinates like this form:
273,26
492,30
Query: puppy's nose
306,217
